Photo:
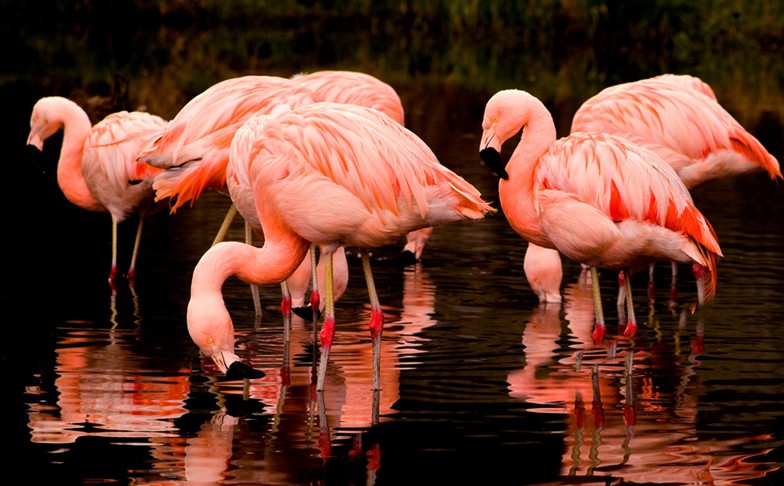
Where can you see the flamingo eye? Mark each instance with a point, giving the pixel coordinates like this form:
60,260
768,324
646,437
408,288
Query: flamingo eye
495,119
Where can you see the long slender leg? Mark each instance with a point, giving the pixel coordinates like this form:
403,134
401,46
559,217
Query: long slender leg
600,328
113,270
674,286
651,285
621,289
135,254
225,225
376,318
254,289
285,308
315,298
631,324
328,329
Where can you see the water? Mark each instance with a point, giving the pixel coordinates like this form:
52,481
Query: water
480,384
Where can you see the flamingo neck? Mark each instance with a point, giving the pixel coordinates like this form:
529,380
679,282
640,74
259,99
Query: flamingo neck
76,130
273,263
517,193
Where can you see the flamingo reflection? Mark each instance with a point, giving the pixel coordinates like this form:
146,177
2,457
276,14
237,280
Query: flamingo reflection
617,418
335,422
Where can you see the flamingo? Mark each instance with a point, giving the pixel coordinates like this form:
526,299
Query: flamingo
194,151
334,175
597,198
97,168
679,118
362,89
544,272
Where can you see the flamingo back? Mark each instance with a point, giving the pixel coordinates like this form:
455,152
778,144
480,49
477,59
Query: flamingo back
607,172
355,88
372,180
109,161
683,125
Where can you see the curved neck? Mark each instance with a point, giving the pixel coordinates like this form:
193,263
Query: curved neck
76,129
517,193
273,263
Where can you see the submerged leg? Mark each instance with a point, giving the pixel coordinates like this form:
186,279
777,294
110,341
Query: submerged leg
328,329
376,318
674,286
651,285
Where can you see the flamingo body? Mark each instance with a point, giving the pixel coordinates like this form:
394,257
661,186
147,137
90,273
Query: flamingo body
97,169
597,198
335,175
679,118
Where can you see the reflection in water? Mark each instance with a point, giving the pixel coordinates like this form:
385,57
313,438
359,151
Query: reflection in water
99,389
634,428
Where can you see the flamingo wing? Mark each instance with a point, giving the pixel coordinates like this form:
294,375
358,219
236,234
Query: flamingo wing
686,127
385,180
607,171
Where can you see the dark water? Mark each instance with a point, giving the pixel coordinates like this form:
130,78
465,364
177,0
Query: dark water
480,385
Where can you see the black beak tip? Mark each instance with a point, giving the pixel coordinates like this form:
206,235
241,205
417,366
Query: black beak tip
492,159
239,370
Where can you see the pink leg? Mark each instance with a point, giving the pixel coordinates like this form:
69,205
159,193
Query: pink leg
600,328
376,319
328,329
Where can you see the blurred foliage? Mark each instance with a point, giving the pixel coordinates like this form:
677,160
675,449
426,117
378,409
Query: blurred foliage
563,51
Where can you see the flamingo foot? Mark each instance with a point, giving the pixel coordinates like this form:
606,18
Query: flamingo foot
697,345
113,277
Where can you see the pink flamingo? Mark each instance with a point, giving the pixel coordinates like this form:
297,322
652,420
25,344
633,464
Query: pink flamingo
678,118
362,89
194,151
597,198
335,175
97,169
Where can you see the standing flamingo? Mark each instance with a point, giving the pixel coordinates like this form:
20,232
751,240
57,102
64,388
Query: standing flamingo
597,198
678,118
194,151
335,175
97,169
362,89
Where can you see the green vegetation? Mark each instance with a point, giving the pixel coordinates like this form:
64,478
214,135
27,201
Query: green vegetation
173,49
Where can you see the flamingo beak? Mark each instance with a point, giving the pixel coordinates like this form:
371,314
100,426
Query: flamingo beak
492,159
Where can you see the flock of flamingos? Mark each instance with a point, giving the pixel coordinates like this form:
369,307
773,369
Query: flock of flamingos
321,161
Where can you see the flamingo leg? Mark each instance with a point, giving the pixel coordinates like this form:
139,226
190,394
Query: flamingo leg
113,271
135,254
621,290
600,328
254,289
328,329
376,318
631,324
315,298
225,225
651,285
674,286
285,308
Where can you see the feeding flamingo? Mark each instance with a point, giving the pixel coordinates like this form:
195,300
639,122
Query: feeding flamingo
678,118
335,175
597,198
97,168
